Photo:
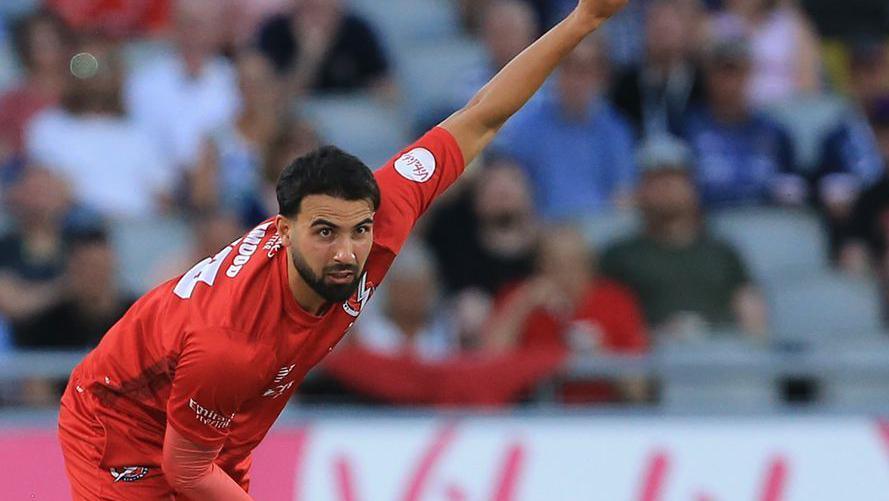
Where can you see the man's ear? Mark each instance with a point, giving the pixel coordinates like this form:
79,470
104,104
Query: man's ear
285,228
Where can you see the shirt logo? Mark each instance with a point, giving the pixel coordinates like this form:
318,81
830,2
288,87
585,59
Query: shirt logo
129,473
210,417
355,303
416,165
279,387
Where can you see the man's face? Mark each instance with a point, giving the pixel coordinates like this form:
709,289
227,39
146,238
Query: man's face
581,76
329,241
727,83
667,195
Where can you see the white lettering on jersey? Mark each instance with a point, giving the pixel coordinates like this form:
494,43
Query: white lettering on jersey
278,387
416,165
247,249
205,272
210,417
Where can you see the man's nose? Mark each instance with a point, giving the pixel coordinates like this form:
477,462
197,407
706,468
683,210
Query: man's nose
345,252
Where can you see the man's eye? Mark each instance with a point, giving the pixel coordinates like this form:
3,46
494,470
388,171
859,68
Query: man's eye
325,232
362,230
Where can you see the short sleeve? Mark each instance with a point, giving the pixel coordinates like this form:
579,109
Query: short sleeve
215,375
738,275
409,183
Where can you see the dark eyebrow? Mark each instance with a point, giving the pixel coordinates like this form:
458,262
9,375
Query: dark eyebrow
324,222
365,222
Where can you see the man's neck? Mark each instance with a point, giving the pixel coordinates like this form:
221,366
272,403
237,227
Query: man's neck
678,232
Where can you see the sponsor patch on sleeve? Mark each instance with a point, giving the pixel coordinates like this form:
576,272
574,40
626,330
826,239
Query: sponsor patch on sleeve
416,165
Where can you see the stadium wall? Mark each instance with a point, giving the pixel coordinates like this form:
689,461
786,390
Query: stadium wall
533,458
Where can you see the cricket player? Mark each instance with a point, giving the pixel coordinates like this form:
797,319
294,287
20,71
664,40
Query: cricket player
182,389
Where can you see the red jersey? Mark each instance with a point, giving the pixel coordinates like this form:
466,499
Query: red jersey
218,352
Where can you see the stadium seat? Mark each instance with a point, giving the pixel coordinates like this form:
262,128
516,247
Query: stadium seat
137,53
774,243
603,229
722,373
855,373
809,119
145,246
360,125
428,73
824,307
404,23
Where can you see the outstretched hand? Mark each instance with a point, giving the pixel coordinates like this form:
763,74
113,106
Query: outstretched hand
594,12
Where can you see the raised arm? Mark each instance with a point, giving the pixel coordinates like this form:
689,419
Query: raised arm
475,125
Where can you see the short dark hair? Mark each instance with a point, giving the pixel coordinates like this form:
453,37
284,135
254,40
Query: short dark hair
325,171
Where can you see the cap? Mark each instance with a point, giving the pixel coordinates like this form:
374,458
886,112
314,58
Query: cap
663,152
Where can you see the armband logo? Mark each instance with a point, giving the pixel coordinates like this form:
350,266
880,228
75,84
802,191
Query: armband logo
416,165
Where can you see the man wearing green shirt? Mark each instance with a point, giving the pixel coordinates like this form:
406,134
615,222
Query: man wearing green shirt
686,280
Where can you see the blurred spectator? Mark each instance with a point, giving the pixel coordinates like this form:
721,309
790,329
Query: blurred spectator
32,253
576,148
116,18
739,152
656,93
212,231
90,301
485,238
869,71
409,316
865,247
785,52
474,13
293,138
229,174
322,47
42,44
182,96
508,27
686,280
566,306
112,165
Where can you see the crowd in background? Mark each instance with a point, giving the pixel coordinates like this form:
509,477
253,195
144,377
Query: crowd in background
677,110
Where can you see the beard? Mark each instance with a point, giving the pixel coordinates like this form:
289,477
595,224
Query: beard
333,293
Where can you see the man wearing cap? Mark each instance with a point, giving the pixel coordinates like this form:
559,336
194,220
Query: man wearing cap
739,152
687,281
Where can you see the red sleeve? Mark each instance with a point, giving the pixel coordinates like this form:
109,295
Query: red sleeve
410,181
215,374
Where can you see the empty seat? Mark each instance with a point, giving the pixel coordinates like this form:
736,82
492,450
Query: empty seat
724,373
774,242
824,307
603,229
360,125
144,246
428,74
402,23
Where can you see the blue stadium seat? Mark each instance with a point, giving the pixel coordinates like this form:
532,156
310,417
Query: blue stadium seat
809,119
603,229
735,377
404,23
144,246
824,307
774,243
428,73
360,125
